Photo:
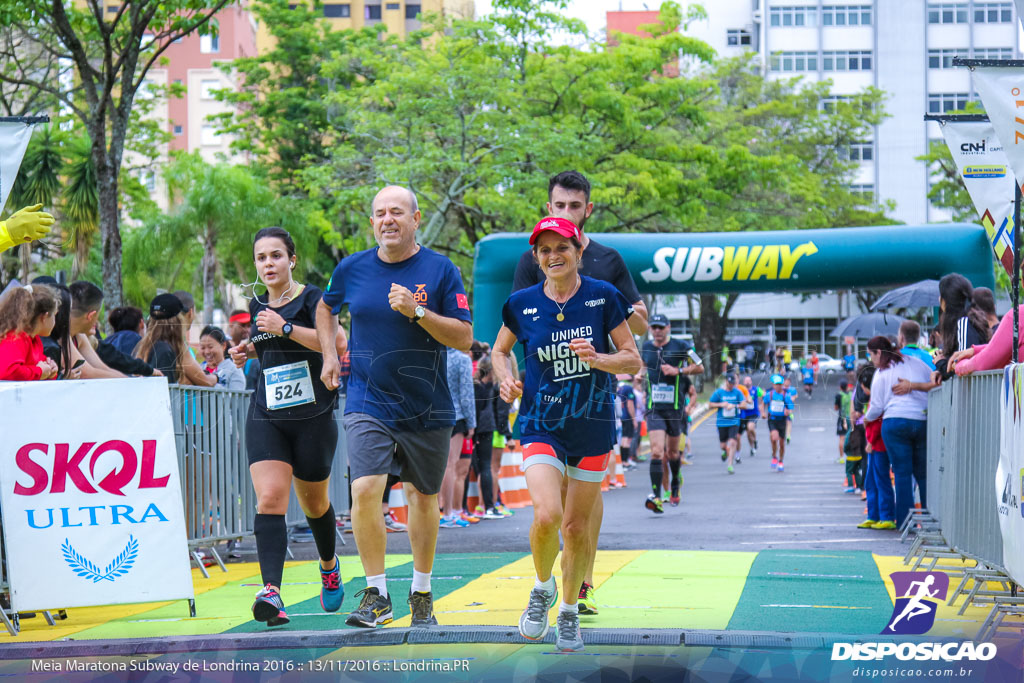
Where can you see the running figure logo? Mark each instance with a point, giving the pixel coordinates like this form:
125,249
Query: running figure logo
918,595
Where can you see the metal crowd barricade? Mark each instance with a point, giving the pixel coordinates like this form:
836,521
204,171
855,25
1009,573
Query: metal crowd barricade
963,454
209,431
972,528
337,489
217,493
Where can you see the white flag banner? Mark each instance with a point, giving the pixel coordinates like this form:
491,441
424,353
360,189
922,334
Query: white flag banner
983,166
14,137
1009,480
92,509
1020,10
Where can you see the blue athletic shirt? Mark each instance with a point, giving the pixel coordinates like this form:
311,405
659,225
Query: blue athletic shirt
770,401
399,373
626,396
808,374
735,397
565,403
849,361
919,353
756,395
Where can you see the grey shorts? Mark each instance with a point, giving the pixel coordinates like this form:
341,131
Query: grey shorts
416,457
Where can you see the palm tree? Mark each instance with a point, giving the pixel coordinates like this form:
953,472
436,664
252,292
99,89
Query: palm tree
80,201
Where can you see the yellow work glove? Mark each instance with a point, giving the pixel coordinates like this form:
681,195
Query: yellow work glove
24,226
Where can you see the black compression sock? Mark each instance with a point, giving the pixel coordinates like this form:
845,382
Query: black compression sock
324,529
656,477
271,545
624,452
674,466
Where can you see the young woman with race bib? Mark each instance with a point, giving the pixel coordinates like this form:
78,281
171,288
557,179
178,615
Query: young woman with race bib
290,429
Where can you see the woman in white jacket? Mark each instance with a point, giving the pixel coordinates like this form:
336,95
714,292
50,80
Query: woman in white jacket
904,419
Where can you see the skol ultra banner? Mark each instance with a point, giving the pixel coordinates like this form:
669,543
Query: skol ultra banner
92,509
983,165
14,139
1009,480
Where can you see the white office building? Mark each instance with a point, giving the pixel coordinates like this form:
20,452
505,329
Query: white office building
904,47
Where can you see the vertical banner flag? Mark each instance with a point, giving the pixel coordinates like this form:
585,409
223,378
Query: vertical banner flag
92,508
1009,481
14,137
982,164
1020,10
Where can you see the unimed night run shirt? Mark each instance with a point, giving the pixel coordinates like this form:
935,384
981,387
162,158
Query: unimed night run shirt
399,372
566,403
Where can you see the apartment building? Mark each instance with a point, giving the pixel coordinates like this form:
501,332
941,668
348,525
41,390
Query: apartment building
904,47
399,18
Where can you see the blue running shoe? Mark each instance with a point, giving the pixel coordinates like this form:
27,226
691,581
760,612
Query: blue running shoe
331,590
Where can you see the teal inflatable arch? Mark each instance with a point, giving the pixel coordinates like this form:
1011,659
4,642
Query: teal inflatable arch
787,261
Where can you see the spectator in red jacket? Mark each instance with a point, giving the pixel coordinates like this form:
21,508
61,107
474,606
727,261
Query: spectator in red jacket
26,314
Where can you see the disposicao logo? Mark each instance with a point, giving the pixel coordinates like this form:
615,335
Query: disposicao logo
917,598
988,171
914,613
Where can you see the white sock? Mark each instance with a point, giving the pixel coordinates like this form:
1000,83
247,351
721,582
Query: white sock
380,582
548,586
571,609
420,582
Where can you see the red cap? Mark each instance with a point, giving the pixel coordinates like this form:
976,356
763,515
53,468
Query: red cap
240,318
563,227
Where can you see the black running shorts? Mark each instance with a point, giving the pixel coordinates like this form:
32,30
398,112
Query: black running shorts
777,424
726,433
307,445
666,420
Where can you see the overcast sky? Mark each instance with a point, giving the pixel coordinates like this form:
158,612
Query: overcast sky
590,11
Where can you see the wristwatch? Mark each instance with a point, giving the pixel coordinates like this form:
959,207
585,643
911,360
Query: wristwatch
418,314
286,330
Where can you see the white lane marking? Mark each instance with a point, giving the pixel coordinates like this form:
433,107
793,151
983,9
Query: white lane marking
825,540
804,507
800,525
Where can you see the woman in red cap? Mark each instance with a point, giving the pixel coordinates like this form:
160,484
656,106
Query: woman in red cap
567,419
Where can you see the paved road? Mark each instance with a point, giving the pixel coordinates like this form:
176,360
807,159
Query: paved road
755,509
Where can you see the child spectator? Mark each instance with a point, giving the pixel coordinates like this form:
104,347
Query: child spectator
26,314
841,405
128,325
57,344
213,346
881,499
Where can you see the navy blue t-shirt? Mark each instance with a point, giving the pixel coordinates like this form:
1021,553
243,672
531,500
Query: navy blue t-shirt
399,373
565,403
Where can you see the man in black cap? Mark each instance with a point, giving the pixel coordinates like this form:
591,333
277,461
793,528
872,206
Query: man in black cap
669,363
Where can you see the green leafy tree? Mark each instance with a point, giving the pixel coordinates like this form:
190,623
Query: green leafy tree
217,209
282,113
111,54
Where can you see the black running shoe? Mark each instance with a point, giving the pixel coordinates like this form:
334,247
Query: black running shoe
373,610
421,605
269,607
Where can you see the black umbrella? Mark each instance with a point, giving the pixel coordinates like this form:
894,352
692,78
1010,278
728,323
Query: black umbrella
917,295
868,325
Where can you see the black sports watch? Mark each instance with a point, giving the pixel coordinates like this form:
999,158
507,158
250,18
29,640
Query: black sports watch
286,330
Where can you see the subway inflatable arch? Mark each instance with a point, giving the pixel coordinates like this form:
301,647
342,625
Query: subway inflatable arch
726,262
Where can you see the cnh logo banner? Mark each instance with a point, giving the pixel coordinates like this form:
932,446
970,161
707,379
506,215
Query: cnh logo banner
917,598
